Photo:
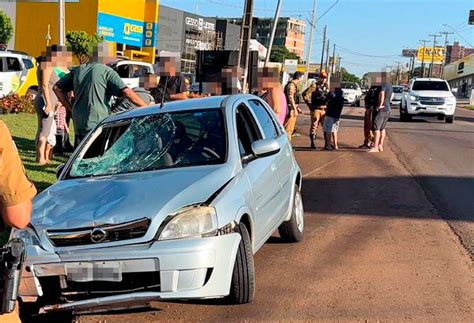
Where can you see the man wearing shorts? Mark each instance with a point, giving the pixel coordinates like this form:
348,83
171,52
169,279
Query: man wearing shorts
381,116
335,104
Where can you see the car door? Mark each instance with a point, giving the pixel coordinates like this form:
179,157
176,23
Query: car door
271,130
261,173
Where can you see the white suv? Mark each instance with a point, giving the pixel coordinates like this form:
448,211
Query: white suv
428,97
352,93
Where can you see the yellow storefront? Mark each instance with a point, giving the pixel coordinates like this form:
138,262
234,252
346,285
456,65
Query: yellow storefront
130,23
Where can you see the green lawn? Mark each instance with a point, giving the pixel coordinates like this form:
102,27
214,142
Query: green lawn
470,107
23,129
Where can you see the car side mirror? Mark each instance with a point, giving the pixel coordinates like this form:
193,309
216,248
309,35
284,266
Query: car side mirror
59,170
265,147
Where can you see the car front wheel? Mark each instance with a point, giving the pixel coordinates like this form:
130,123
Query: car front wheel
292,230
242,289
449,119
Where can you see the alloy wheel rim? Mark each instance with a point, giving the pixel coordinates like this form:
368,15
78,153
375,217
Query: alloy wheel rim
299,213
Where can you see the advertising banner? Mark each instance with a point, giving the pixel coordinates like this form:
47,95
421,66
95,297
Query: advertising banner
425,54
126,31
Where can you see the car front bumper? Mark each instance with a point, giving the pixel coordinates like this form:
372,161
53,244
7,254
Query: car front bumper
192,268
416,108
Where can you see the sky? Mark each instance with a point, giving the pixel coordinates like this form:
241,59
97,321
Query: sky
369,34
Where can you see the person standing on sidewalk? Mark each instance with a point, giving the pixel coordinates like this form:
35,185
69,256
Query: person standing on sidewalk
335,104
291,93
315,97
93,84
382,114
371,102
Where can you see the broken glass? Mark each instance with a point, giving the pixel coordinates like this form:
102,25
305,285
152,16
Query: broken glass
143,144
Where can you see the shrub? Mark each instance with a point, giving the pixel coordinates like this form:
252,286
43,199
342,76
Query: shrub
14,103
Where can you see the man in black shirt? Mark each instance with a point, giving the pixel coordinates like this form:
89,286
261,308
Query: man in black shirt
170,80
335,104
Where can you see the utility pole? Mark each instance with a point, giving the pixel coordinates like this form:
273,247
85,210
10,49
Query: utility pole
323,50
333,58
446,34
433,53
272,35
327,56
48,36
62,22
398,73
245,34
310,45
423,57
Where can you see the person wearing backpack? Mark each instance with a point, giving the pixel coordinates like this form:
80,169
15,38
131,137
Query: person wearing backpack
315,97
291,94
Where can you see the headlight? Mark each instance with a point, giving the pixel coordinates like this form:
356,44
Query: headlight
414,97
451,99
196,221
28,235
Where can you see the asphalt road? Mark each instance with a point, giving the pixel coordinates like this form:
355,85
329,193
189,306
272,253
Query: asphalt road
377,244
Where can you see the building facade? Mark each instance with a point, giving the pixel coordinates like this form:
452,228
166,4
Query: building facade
456,52
460,75
289,33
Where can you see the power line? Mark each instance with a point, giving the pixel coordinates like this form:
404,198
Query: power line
353,52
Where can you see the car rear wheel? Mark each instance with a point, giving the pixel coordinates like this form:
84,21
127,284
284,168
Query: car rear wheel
242,289
449,119
292,230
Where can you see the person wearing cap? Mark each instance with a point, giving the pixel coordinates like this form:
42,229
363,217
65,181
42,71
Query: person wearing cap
291,94
315,97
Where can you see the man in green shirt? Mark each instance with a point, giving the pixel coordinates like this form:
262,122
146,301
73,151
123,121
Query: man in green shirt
93,85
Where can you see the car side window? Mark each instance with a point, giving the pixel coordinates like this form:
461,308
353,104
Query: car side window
138,70
247,130
28,63
264,119
123,71
13,64
2,68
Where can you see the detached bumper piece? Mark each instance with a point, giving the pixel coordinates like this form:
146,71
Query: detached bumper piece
104,304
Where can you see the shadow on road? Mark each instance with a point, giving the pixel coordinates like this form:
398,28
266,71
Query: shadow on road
390,196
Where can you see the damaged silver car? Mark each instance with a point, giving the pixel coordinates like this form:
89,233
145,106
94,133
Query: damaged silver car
163,203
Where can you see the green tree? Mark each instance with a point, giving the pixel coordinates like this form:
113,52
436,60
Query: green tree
6,28
348,77
280,53
82,44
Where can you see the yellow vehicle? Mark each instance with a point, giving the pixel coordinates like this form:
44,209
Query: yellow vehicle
17,74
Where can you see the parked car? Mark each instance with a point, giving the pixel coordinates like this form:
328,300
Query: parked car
130,71
397,95
17,74
428,97
352,93
167,203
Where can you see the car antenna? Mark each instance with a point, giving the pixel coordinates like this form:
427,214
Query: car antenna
164,91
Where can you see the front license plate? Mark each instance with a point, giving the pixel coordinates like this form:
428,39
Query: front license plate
94,271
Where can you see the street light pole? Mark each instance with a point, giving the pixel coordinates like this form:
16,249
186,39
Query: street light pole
245,35
433,53
272,36
446,34
423,57
310,45
323,50
62,23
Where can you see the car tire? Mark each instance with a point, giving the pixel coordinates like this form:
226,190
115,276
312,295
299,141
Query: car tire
242,289
449,119
32,91
292,230
440,117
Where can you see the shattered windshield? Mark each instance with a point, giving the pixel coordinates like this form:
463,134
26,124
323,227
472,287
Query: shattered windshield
151,142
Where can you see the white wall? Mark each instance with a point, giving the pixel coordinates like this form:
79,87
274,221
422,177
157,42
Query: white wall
9,7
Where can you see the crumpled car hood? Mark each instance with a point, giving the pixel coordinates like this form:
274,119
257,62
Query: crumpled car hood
79,203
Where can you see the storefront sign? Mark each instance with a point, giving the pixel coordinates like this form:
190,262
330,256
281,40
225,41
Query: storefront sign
126,31
199,23
425,54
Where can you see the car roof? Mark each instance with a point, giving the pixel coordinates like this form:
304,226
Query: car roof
213,102
430,79
15,54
